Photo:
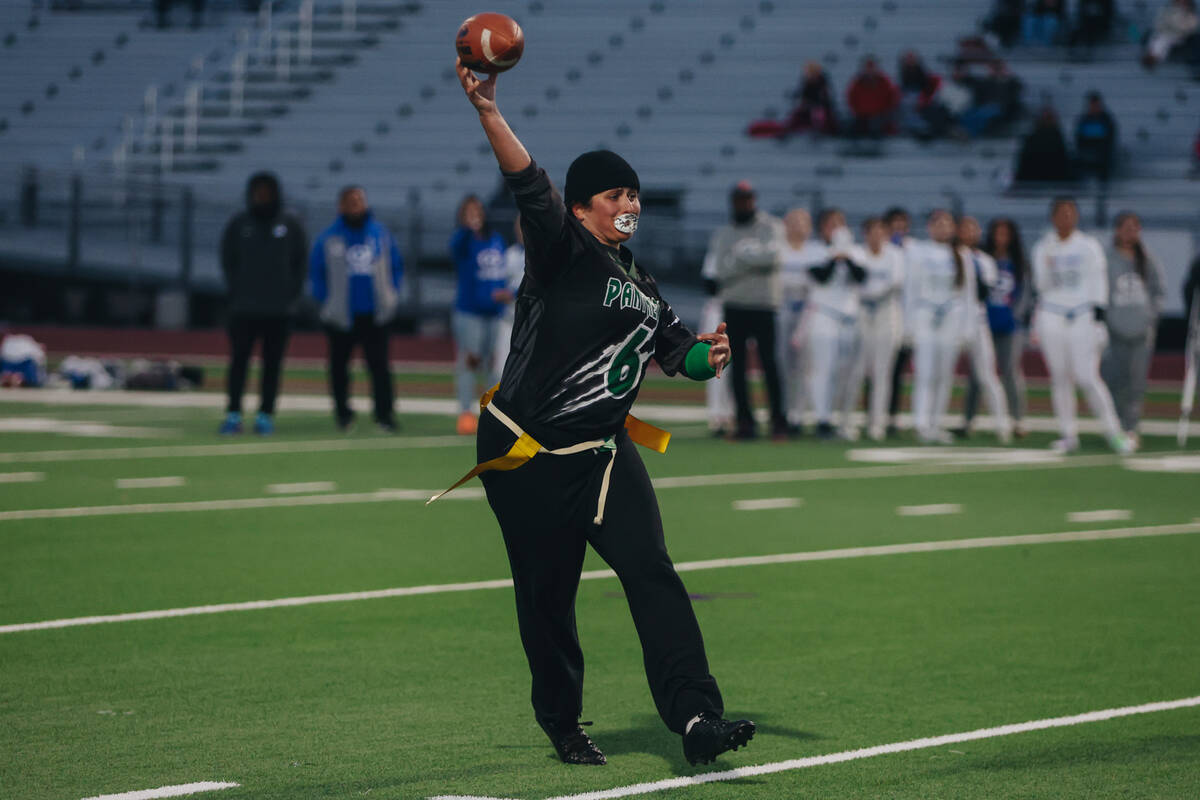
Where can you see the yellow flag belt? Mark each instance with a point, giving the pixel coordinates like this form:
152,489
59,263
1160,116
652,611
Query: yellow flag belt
526,447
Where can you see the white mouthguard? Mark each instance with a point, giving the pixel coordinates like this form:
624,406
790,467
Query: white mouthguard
626,223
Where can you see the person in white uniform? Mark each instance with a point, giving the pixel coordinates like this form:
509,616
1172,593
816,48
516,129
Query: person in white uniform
718,395
1070,277
800,252
939,298
514,268
980,347
834,336
882,320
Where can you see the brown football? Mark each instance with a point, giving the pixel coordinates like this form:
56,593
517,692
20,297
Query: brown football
489,42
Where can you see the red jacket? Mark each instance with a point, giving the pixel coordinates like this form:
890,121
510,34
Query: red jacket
872,95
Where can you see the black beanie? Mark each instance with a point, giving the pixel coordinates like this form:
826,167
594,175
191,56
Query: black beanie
595,171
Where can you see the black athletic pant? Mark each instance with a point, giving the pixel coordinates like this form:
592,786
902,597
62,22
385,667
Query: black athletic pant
745,324
903,358
373,338
243,331
546,509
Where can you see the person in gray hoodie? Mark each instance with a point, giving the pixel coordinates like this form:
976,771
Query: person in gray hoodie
264,252
1136,291
746,256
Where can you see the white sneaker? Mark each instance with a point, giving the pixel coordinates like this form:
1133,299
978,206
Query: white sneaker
936,436
1004,434
877,434
1065,446
848,434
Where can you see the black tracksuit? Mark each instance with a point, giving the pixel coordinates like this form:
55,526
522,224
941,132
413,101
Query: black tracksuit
264,255
586,323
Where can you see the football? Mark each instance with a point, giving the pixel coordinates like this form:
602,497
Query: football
489,42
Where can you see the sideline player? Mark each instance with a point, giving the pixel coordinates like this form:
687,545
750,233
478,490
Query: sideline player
882,320
834,334
938,296
980,349
555,446
799,253
1070,277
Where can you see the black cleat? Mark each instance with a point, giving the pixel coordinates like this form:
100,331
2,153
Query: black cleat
710,736
576,747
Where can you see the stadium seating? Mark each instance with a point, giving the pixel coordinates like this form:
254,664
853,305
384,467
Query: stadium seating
671,85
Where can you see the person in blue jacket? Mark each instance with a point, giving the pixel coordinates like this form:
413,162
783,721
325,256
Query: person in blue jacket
355,271
479,304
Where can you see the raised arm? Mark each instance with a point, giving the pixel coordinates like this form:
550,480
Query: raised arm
543,216
511,155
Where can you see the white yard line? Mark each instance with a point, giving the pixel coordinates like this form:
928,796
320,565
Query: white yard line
22,477
236,449
682,482
178,790
683,566
448,407
883,471
767,503
932,510
1100,515
165,482
301,488
380,496
868,752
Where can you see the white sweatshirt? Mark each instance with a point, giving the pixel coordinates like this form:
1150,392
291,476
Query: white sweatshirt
794,270
929,284
838,296
1069,275
885,273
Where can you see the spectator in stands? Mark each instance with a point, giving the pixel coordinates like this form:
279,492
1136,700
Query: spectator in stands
995,99
1093,21
1175,23
873,100
1005,21
814,102
1136,290
162,12
1043,22
262,258
922,113
813,111
355,271
1043,155
1096,138
745,258
480,301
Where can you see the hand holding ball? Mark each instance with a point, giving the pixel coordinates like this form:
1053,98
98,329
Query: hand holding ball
489,43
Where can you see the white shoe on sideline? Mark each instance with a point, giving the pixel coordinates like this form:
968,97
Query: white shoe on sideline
1065,446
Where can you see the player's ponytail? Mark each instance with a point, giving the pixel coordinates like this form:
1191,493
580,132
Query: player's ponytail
960,270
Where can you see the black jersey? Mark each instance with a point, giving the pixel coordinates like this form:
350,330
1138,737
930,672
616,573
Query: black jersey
587,321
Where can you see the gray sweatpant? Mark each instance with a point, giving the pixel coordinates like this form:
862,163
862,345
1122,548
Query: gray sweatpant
1125,367
1009,349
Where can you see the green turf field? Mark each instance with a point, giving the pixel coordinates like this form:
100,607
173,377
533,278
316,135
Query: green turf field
419,695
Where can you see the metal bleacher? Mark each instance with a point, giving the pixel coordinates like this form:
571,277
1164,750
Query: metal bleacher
670,84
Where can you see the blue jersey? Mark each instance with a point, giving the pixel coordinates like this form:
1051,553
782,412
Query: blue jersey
1003,298
481,271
